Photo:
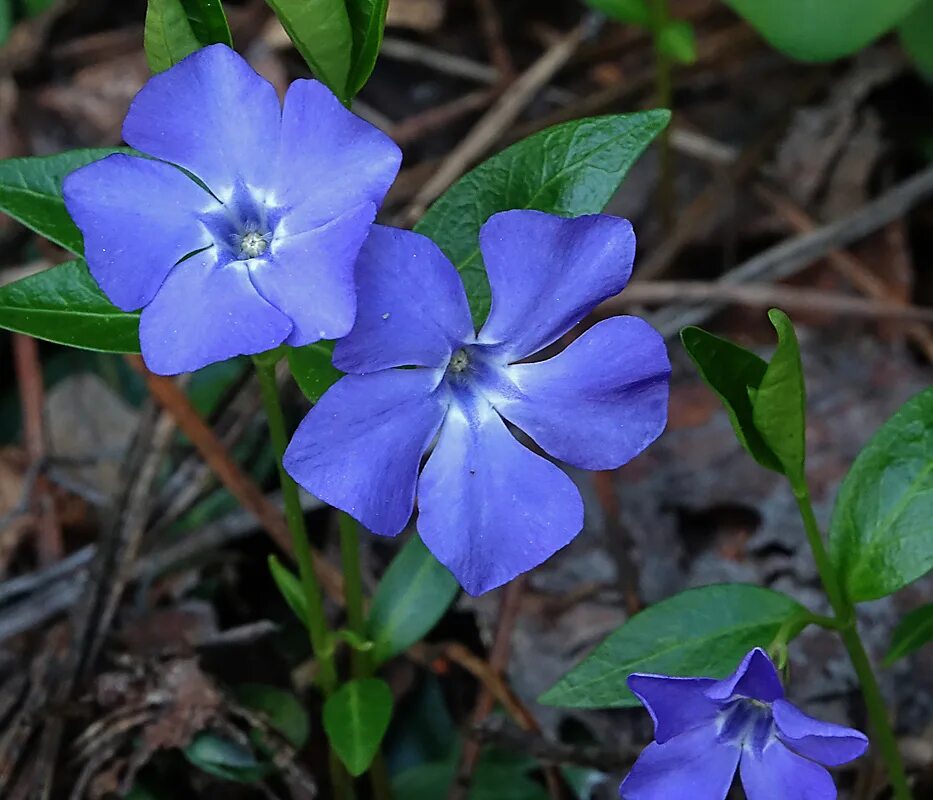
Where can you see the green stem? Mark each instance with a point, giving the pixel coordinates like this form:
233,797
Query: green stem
664,88
318,629
844,610
360,662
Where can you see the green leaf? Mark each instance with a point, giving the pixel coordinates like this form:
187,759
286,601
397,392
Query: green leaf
281,708
218,756
356,717
168,36
881,535
677,40
63,304
570,169
31,192
779,403
208,21
6,20
313,369
635,12
916,34
914,631
412,596
290,587
320,30
730,371
367,22
821,30
496,778
699,632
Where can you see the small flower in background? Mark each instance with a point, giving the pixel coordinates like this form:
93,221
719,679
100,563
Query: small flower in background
489,508
705,729
259,250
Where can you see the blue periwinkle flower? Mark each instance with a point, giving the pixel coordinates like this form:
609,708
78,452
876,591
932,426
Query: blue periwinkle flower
258,247
705,729
489,508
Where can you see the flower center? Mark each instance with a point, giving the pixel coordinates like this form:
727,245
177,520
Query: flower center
747,723
459,361
253,244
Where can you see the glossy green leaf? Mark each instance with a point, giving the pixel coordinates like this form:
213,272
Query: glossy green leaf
570,169
779,403
356,717
225,759
320,30
678,41
168,36
280,708
821,30
6,20
290,587
412,596
31,192
699,632
881,535
913,632
64,304
367,22
917,37
313,369
635,12
208,21
730,371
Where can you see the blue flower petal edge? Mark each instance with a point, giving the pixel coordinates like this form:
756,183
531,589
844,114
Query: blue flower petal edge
489,508
706,729
242,230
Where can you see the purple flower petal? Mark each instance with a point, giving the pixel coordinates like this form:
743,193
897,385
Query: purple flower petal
692,766
547,273
676,704
779,774
139,219
205,313
412,308
360,447
824,742
309,276
330,160
489,508
211,114
600,402
755,677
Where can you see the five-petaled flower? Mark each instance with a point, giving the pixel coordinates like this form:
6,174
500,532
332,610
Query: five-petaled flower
705,728
489,508
258,247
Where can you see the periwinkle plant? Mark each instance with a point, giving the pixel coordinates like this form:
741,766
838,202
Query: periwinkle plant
242,227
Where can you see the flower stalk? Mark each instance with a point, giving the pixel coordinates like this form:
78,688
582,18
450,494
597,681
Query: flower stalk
318,629
844,610
664,90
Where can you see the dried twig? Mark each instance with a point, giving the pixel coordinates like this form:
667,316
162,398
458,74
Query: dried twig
49,545
791,298
498,119
797,253
237,482
848,265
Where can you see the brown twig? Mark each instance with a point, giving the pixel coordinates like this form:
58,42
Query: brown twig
418,125
237,482
794,254
854,270
49,545
497,120
494,686
791,298
491,24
